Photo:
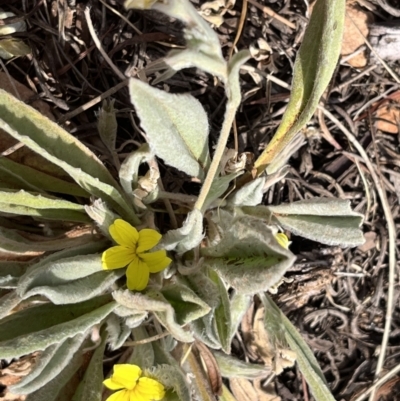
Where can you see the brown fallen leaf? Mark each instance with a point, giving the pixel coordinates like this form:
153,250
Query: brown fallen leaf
388,118
355,30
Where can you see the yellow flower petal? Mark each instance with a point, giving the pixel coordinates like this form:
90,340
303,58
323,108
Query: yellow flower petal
125,375
117,257
283,240
148,239
150,388
124,234
156,261
123,395
136,396
137,275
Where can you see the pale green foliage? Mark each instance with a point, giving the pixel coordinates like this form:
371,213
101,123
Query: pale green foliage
327,220
176,127
25,203
129,171
315,63
107,124
233,367
248,257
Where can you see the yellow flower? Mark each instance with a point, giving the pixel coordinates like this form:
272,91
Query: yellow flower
126,378
131,251
283,240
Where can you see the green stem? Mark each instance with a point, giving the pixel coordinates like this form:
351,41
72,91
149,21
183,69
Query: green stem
219,151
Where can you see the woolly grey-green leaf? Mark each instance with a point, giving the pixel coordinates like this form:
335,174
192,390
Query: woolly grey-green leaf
326,220
176,127
153,301
203,49
68,280
117,331
54,366
250,194
248,256
129,171
142,354
107,124
39,133
38,327
28,204
239,305
12,241
173,379
203,286
315,64
10,272
27,178
307,362
222,313
218,188
204,329
187,305
232,367
61,271
91,386
8,302
52,389
101,214
62,149
187,237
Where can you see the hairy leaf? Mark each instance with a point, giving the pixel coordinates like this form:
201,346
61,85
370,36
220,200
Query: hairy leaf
54,366
176,127
315,63
326,220
38,327
25,203
248,256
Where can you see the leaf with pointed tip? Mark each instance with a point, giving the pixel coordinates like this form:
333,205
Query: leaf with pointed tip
218,188
187,305
307,362
176,127
153,301
38,327
222,313
239,305
26,177
28,204
327,220
46,138
203,49
250,194
248,256
315,63
232,367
